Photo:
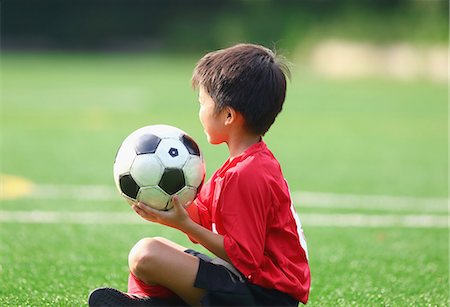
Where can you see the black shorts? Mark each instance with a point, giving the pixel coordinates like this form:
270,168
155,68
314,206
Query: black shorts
226,288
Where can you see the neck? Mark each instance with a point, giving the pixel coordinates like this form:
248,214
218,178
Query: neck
239,144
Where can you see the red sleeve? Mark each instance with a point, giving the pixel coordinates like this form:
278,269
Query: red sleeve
244,203
202,201
201,215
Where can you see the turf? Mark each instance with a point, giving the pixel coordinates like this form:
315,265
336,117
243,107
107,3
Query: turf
374,136
64,116
60,264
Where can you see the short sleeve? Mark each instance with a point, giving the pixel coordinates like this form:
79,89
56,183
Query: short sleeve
202,202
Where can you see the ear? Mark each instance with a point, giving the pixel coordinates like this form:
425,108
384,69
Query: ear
231,116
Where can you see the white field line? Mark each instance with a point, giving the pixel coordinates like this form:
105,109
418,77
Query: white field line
300,199
308,219
370,202
73,192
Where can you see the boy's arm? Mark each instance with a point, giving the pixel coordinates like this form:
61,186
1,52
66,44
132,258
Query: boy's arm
181,219
192,210
210,240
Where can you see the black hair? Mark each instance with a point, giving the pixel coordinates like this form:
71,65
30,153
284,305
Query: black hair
249,78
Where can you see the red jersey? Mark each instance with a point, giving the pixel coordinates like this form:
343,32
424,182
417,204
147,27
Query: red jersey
247,201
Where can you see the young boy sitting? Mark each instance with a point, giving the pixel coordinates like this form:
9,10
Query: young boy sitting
244,214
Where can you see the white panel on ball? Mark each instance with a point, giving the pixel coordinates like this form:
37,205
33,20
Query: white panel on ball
158,197
146,170
194,171
165,131
186,194
124,158
172,153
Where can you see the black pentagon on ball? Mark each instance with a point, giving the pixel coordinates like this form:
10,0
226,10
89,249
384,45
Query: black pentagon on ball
147,143
190,144
173,152
128,186
172,180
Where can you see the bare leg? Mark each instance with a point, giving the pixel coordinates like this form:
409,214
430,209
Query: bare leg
162,262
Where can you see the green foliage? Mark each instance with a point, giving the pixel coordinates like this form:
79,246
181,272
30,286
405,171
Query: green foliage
179,25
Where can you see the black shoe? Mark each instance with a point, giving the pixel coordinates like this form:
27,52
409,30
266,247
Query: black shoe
113,297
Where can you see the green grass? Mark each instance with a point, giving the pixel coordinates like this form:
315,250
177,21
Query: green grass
63,117
60,264
375,136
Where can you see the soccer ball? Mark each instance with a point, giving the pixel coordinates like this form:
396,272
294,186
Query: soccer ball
157,162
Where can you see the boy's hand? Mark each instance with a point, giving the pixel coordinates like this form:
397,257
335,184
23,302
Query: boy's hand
177,217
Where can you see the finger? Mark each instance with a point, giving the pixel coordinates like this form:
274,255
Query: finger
137,210
187,204
144,210
176,199
147,209
143,206
176,202
145,215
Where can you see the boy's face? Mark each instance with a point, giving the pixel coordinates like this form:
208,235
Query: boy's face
212,122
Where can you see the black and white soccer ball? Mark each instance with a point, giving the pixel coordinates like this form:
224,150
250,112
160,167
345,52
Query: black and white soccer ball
157,162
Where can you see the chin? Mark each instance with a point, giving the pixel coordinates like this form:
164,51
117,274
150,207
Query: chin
212,141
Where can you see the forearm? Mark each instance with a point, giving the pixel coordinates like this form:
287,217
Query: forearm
210,240
180,219
192,210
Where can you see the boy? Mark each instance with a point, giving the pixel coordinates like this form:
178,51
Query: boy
243,214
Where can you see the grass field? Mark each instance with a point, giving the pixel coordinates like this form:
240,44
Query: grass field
63,117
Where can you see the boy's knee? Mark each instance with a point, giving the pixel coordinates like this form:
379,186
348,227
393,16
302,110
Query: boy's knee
144,255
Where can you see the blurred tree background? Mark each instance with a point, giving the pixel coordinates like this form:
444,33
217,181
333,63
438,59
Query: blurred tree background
195,26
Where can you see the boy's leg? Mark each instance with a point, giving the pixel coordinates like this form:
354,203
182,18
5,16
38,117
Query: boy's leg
158,261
